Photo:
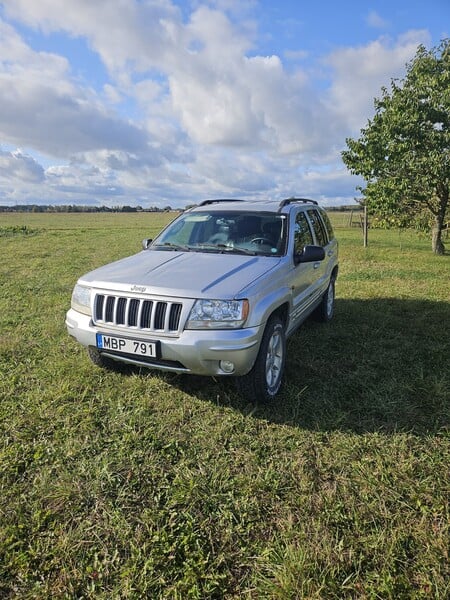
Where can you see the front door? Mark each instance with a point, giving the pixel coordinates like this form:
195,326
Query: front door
304,275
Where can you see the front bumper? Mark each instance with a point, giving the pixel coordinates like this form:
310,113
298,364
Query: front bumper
198,352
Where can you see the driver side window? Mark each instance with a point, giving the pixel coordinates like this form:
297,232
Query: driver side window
302,233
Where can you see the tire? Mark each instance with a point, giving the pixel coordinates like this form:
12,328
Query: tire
104,362
264,380
325,311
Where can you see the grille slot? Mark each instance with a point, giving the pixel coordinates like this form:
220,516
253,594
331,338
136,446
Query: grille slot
146,314
133,312
175,314
109,310
142,314
160,314
120,313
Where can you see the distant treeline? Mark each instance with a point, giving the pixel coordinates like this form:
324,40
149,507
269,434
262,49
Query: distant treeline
77,208
353,207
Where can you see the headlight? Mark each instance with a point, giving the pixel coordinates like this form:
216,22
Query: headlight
218,314
81,299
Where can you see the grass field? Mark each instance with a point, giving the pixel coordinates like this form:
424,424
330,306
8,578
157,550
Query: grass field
141,485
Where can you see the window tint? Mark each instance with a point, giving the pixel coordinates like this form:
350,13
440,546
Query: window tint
328,226
318,227
302,233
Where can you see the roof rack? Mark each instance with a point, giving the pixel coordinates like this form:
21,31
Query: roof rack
292,200
206,202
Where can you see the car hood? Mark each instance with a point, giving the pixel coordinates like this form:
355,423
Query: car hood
181,274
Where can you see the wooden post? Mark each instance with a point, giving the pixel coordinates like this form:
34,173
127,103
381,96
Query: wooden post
350,221
366,228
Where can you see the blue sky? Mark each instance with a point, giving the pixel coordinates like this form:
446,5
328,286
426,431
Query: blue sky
157,102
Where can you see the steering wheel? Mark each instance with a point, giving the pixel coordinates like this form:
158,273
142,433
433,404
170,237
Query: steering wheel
218,238
261,240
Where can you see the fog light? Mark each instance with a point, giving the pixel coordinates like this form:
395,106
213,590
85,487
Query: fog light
227,366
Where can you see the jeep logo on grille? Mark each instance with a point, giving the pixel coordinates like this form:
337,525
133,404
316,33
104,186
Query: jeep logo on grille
138,288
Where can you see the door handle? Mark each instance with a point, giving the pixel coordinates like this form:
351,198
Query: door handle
330,252
316,265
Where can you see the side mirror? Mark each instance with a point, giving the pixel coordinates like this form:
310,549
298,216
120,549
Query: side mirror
146,243
310,254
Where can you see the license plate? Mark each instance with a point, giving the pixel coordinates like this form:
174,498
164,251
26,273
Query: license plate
127,345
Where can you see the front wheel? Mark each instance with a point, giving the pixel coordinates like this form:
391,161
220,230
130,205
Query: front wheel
264,380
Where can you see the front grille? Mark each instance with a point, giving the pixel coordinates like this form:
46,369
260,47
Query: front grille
150,315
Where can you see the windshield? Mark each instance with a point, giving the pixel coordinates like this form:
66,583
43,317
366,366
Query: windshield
256,233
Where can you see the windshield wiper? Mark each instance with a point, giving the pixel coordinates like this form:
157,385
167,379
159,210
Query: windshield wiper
239,250
172,246
224,249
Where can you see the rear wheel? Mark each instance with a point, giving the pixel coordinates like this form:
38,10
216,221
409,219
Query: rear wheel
264,380
325,311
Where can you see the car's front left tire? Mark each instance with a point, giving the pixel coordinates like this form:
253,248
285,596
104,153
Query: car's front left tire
264,380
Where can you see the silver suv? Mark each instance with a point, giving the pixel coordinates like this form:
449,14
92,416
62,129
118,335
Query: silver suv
216,293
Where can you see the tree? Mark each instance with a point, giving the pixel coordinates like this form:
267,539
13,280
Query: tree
404,152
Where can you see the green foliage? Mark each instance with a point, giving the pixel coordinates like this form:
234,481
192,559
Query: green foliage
16,230
404,152
139,485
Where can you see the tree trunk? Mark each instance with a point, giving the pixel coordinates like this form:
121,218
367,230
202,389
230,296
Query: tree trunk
436,235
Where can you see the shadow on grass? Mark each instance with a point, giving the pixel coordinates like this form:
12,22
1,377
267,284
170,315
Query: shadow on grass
380,365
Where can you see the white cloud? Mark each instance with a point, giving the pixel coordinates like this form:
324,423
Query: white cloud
43,108
16,57
208,87
359,74
59,123
112,94
188,107
121,31
221,98
291,111
19,167
230,99
376,21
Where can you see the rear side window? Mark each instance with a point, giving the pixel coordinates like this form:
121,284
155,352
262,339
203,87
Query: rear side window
327,223
302,233
318,226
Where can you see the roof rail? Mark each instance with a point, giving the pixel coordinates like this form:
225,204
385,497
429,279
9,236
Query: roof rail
292,200
214,201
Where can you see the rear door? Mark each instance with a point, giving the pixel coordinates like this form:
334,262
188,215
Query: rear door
331,249
324,237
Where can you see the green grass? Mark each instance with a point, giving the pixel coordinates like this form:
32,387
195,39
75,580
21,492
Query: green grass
140,485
